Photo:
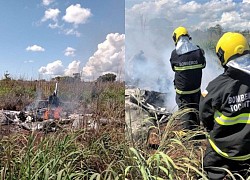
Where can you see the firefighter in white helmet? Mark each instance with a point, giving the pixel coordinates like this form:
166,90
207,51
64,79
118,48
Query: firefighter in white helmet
225,110
187,61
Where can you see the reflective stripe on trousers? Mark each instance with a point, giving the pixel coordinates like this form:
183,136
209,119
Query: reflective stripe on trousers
187,92
236,158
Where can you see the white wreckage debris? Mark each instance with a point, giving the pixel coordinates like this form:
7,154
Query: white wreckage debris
17,118
144,109
74,121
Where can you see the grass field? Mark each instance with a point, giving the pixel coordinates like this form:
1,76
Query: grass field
103,154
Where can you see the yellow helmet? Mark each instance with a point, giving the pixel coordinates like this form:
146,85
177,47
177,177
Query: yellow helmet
230,46
178,32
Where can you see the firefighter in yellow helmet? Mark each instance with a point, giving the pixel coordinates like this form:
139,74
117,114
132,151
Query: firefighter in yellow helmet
187,61
225,110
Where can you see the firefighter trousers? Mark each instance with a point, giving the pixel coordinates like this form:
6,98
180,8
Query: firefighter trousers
189,120
216,165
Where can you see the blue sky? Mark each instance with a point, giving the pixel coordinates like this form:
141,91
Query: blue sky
46,38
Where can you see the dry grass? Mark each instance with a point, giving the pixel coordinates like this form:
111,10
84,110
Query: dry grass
103,154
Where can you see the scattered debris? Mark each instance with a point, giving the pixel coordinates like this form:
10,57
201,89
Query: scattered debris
144,111
49,116
74,121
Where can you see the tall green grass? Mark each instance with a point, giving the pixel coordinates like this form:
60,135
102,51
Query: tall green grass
177,157
105,154
64,155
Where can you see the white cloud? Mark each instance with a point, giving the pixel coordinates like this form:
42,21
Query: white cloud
35,48
230,17
76,14
72,32
54,68
192,14
246,1
233,20
51,14
245,14
57,68
29,61
73,67
109,57
54,26
47,2
190,7
69,51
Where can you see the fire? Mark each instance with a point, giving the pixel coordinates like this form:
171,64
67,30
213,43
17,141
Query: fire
57,113
53,113
46,115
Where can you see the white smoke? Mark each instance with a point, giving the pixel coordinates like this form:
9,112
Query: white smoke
212,70
109,58
145,73
148,50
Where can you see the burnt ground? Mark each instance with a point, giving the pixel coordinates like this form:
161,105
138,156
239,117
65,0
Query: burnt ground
6,130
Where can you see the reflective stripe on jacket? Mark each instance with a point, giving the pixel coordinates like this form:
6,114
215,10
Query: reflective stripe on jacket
243,118
183,68
188,71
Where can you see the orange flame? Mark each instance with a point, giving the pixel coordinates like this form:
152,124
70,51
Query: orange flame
53,113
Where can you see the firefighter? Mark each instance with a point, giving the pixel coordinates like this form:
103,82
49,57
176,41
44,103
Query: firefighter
187,61
225,110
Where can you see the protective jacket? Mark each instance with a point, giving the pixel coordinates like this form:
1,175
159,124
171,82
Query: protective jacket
187,61
225,112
